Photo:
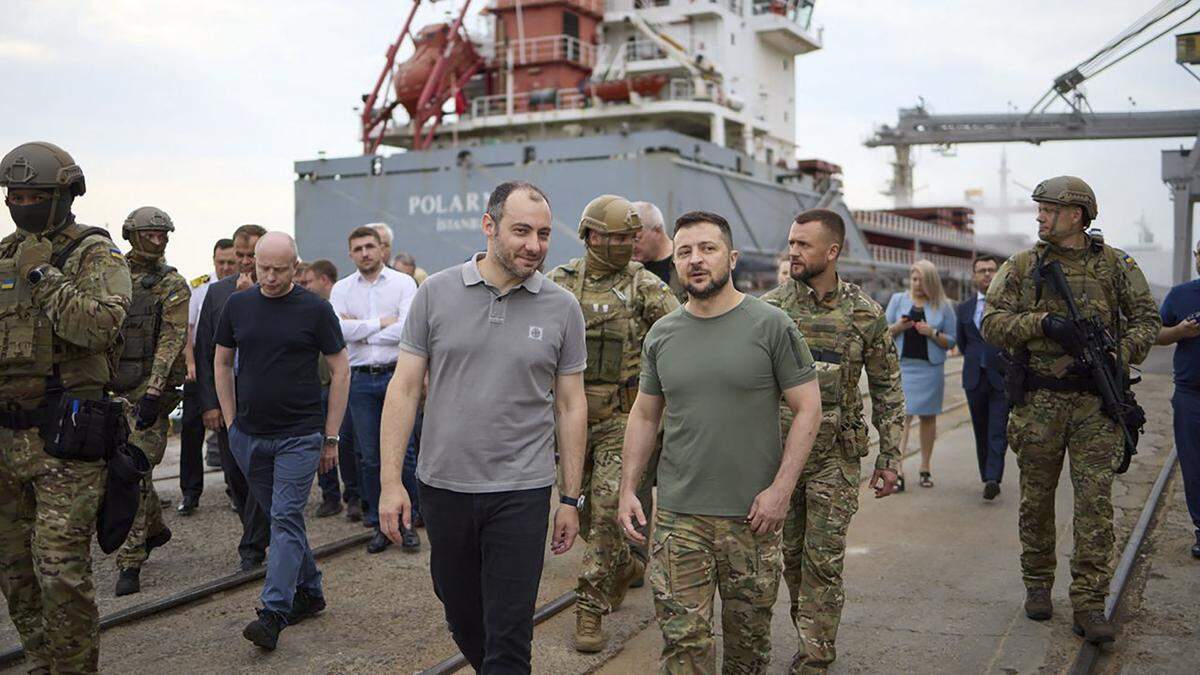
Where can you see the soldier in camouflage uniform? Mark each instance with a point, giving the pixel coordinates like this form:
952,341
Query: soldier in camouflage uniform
846,331
150,370
64,291
620,301
1061,410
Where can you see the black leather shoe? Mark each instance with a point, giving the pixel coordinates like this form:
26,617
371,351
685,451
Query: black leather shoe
329,507
1196,547
264,631
354,512
188,506
248,564
304,606
990,490
158,539
409,541
379,542
128,582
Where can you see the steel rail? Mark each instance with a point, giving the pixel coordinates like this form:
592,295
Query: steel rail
1089,654
194,594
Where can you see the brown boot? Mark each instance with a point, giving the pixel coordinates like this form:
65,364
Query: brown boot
1037,604
1091,625
633,572
588,637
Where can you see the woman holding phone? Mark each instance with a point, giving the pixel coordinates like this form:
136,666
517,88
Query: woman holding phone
921,321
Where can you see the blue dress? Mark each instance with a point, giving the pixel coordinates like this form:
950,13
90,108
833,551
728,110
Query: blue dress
922,361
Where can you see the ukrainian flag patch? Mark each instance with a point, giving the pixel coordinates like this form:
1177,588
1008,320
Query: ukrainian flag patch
1129,260
7,284
116,253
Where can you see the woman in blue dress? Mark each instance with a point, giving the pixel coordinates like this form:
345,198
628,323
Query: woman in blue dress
921,321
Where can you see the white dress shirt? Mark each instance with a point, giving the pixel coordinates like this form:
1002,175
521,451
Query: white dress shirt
197,301
391,294
979,298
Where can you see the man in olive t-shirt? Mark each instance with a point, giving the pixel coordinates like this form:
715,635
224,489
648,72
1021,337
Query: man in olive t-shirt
717,367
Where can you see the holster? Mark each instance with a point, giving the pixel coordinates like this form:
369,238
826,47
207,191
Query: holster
85,430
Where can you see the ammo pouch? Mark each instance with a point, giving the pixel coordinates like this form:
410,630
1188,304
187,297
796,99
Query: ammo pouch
87,430
127,468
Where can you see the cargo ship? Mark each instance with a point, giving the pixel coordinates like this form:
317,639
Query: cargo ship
688,104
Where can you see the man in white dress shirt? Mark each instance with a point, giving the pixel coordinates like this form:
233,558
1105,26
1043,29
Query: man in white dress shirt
372,304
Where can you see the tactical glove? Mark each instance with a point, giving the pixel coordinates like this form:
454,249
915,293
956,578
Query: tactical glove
147,411
1064,332
34,252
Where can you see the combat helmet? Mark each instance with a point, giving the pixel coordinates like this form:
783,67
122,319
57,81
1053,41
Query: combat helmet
1067,191
41,165
609,214
145,219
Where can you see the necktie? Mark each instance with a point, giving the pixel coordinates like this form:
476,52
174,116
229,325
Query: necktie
979,314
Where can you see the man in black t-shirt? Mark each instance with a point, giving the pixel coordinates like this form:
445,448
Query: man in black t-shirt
278,432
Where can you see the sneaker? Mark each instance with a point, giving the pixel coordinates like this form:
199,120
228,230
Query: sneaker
264,631
1092,626
158,539
633,571
410,542
588,636
128,582
329,507
991,490
304,606
1038,605
354,511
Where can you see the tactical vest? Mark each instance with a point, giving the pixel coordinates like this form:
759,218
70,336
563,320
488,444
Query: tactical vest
31,355
613,342
141,328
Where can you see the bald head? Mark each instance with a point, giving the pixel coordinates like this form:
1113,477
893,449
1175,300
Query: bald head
275,258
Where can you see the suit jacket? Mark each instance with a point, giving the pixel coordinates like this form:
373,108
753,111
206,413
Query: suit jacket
978,355
206,345
941,318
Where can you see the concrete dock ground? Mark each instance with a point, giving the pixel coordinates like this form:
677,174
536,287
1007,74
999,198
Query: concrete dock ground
932,585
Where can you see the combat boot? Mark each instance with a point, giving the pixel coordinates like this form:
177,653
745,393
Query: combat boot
128,582
1091,625
588,637
1037,604
264,631
633,572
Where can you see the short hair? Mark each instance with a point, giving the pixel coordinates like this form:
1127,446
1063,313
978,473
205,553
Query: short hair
222,244
697,217
364,231
404,258
650,215
830,220
386,228
984,257
495,205
301,266
324,268
249,230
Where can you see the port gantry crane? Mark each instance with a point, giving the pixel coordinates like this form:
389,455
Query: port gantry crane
1180,168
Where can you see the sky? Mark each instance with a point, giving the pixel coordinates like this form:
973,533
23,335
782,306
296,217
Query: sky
201,108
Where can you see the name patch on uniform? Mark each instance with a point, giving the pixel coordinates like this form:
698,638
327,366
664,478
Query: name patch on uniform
7,284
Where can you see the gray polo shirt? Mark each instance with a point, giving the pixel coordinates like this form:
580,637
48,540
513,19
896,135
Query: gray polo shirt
489,411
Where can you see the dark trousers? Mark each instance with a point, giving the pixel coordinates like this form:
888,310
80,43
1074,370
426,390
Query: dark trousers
191,444
1186,403
486,554
256,528
989,417
347,466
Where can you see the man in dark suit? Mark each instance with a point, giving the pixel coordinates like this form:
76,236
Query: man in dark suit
256,530
983,381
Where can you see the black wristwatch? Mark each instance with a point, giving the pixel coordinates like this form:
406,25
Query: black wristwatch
572,501
37,274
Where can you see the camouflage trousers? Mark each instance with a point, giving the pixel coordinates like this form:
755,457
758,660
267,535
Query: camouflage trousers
47,520
696,557
1049,426
607,555
814,552
149,520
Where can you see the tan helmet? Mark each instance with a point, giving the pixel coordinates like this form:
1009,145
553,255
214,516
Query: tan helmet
1067,191
608,214
146,218
42,166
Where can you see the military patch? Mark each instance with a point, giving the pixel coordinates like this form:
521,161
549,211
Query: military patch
1129,261
116,253
7,284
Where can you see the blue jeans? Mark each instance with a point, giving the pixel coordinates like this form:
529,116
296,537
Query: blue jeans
280,472
367,391
331,490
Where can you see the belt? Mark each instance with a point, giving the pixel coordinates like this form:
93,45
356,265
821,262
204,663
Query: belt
1035,381
20,420
378,369
826,355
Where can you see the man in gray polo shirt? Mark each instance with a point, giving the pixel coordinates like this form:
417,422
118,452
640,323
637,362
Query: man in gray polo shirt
504,349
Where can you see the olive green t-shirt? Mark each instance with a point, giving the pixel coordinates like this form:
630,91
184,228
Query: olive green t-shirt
721,378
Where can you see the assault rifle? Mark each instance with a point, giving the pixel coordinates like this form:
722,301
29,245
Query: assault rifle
1100,356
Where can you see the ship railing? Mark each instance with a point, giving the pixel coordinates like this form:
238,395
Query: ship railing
529,101
547,48
946,264
912,227
595,6
643,50
798,11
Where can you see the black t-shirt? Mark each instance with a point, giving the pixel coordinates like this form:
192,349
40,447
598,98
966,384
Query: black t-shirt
278,342
916,346
662,268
